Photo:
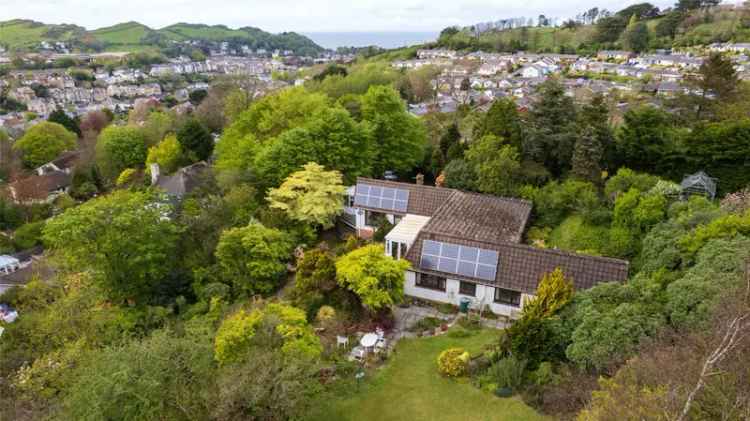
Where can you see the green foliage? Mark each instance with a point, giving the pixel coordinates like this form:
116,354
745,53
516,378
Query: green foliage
28,235
724,227
575,234
459,174
555,201
496,164
253,258
587,158
126,177
312,196
235,337
399,137
606,337
625,179
359,79
501,120
60,117
508,372
123,237
636,35
377,279
535,336
119,148
552,128
43,143
169,373
195,140
453,362
168,154
645,138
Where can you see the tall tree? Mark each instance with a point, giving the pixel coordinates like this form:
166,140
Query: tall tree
496,164
717,82
552,128
636,35
312,196
502,120
399,137
196,141
587,157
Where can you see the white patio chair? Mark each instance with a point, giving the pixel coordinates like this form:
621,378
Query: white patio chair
342,341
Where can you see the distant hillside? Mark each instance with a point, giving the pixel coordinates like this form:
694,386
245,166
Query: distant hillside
19,33
720,24
134,36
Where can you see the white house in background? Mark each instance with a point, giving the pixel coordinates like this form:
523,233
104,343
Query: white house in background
465,246
533,71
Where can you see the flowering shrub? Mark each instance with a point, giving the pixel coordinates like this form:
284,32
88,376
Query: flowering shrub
453,362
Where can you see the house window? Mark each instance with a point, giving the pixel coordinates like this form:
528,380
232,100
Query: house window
507,297
402,246
430,282
467,288
393,249
349,201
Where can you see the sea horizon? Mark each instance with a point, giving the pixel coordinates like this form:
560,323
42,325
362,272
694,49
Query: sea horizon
383,39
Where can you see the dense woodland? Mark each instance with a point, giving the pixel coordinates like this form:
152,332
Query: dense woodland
164,309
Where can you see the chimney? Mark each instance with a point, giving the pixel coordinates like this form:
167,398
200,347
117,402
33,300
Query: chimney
155,173
420,179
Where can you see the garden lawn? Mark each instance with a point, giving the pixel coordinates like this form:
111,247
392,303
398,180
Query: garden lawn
409,388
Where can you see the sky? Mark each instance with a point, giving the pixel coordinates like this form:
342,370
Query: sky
299,15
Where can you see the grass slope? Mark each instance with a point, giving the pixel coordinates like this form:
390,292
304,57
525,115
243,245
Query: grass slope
123,33
20,33
409,388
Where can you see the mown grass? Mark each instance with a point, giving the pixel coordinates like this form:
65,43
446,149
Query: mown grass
409,388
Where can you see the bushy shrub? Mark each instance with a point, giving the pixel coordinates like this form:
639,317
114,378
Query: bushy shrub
453,362
508,372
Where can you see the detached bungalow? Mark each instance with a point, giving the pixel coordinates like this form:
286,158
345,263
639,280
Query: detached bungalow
466,246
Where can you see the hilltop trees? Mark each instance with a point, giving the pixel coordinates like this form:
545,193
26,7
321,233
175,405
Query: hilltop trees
43,143
195,140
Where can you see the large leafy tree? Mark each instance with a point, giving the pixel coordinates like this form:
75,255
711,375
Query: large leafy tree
331,138
717,82
496,165
43,143
399,137
377,279
124,238
195,140
253,258
312,196
119,148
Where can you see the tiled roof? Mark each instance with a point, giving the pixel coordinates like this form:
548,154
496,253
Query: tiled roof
480,217
38,187
521,267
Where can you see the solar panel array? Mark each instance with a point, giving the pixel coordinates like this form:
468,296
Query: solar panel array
467,261
381,197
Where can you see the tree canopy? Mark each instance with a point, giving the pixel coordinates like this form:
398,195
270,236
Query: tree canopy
377,279
43,143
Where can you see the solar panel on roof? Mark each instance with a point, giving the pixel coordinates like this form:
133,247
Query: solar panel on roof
381,197
466,261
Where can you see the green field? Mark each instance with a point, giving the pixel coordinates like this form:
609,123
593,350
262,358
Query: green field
26,34
124,33
409,388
